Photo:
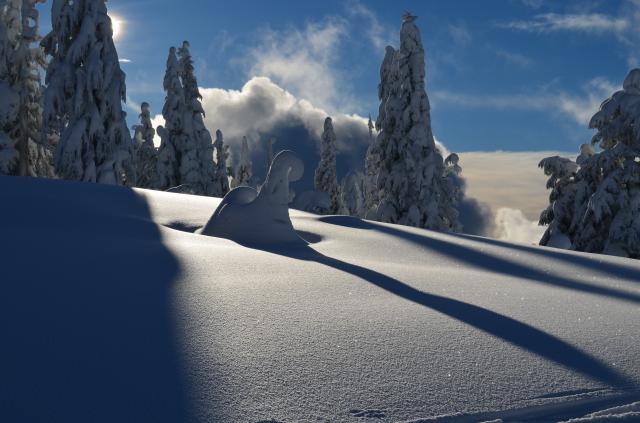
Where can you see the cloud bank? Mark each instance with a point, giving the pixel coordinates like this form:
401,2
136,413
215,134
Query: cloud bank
512,187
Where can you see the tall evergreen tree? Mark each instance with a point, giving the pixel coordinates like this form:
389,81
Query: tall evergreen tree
559,215
244,169
596,207
196,167
172,133
414,187
352,195
10,28
23,150
84,95
387,88
221,181
146,153
326,179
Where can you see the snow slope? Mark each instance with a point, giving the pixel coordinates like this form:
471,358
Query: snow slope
112,309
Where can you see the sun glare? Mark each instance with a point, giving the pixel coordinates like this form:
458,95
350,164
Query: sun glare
117,26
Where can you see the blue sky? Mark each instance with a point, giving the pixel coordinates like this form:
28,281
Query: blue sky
494,67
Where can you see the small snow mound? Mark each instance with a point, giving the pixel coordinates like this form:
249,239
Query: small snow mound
251,217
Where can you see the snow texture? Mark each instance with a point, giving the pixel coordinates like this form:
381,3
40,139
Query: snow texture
191,342
326,178
253,217
144,320
84,96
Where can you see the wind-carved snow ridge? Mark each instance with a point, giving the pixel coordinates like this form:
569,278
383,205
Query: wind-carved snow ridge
251,217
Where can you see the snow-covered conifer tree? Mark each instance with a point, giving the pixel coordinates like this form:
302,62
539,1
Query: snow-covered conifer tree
196,168
171,134
23,149
146,153
611,223
602,196
221,180
244,171
388,85
84,95
559,214
414,188
167,163
9,96
352,195
371,127
326,179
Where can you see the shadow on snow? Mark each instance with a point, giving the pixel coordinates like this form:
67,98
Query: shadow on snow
85,310
484,260
510,330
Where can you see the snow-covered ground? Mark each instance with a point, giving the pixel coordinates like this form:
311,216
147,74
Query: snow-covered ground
113,310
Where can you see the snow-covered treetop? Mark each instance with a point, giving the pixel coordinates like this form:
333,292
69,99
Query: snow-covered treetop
618,119
556,168
174,101
144,131
189,81
408,17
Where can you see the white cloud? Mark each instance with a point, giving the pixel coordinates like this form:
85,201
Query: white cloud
580,108
305,61
512,225
554,22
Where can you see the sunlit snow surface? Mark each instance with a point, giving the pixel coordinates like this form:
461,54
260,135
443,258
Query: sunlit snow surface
112,309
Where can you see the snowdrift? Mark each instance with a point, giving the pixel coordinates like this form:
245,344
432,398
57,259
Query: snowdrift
114,309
